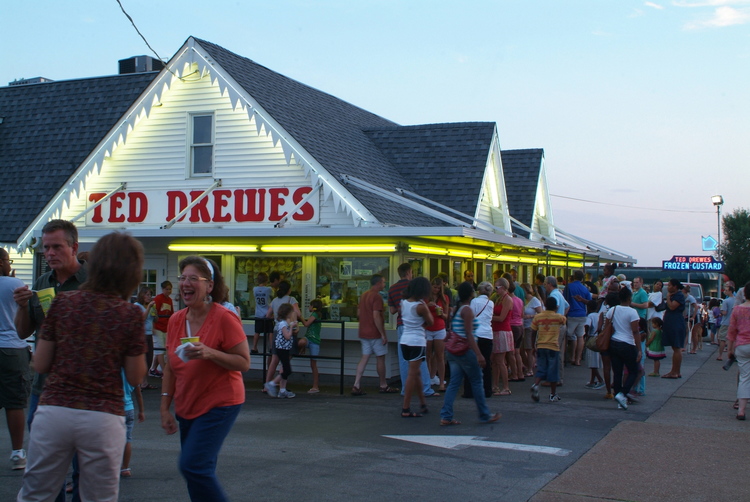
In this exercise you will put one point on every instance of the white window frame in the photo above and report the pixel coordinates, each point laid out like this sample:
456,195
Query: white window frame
190,145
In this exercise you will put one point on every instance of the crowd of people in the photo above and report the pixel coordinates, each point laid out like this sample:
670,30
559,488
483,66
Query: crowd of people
95,348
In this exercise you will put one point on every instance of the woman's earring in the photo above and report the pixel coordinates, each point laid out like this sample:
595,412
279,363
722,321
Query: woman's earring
208,299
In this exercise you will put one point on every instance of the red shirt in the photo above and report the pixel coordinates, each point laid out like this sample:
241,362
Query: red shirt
93,333
438,322
164,310
369,302
202,385
505,324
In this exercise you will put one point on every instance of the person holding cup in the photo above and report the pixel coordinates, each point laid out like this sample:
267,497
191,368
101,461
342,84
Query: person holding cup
207,388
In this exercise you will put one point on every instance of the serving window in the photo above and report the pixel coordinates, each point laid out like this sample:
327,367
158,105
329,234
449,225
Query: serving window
246,270
340,282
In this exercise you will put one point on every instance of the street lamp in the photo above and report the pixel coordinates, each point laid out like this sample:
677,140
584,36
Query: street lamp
718,200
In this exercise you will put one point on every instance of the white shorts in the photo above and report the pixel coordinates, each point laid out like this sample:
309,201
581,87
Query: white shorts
434,335
373,346
160,341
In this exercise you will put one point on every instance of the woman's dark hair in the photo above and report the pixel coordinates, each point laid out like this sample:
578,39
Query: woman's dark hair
612,298
656,320
285,309
418,287
713,303
746,290
141,298
115,265
625,295
284,288
220,287
316,305
676,283
465,291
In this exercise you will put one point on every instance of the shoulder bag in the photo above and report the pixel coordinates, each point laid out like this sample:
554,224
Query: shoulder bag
603,338
454,343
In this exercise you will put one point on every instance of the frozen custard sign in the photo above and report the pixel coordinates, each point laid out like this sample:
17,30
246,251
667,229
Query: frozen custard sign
221,206
693,264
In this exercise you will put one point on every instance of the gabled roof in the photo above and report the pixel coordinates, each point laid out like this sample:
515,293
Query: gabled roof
47,131
328,128
522,170
443,162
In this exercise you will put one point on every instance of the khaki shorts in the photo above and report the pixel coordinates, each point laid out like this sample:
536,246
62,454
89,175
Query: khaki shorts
723,333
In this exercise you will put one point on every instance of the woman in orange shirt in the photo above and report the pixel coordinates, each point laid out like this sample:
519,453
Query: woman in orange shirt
206,386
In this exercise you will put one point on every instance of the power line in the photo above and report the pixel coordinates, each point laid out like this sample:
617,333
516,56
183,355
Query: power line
144,39
633,207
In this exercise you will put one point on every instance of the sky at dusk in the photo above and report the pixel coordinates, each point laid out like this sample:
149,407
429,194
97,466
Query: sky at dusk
641,107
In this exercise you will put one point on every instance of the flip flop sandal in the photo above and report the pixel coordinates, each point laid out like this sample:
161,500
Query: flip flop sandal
356,391
424,410
450,422
407,413
388,390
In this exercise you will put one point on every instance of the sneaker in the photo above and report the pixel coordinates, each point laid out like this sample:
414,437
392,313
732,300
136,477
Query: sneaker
155,373
599,385
554,398
535,393
435,380
619,407
631,398
18,461
286,394
590,386
620,398
271,389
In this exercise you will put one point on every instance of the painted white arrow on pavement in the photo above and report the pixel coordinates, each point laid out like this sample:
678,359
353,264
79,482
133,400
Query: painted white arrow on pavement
458,442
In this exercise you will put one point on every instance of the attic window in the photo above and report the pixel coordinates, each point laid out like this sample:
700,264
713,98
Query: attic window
201,144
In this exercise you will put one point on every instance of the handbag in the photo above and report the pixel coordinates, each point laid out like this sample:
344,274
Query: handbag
661,307
591,343
454,343
603,338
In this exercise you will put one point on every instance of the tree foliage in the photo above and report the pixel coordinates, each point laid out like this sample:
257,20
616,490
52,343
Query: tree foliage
735,248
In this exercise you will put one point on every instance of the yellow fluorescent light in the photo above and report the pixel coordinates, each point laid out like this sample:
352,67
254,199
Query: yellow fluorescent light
215,248
569,264
314,248
459,253
516,259
427,250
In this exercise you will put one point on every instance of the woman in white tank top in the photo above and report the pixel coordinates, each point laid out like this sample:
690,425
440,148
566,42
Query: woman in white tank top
415,315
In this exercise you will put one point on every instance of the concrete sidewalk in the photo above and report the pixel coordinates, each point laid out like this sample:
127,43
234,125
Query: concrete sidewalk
692,449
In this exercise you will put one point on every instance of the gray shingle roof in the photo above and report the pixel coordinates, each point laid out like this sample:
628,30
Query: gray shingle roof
328,128
443,162
521,170
47,131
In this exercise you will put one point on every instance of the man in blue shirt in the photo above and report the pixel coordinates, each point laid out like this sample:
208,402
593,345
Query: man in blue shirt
576,317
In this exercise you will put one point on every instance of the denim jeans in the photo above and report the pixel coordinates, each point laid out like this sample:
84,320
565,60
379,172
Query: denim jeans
623,355
201,439
403,368
485,348
464,366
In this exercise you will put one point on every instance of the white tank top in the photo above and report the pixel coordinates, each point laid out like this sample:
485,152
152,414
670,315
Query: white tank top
413,325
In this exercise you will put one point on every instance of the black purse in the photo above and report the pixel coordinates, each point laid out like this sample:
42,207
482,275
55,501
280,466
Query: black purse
661,307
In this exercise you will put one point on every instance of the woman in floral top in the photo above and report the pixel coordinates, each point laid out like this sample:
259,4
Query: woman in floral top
88,336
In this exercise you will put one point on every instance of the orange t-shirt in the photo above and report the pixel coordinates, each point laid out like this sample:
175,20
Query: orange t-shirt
202,385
